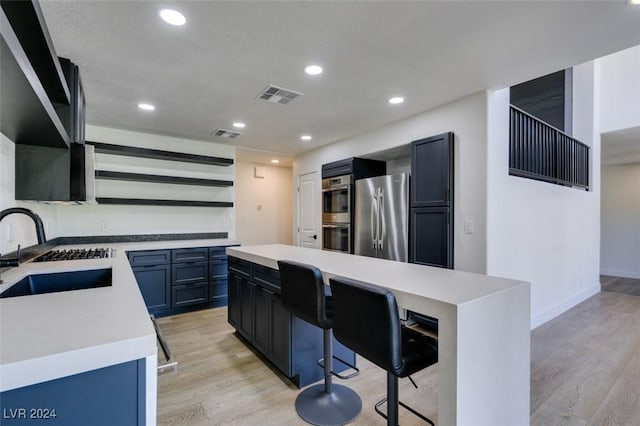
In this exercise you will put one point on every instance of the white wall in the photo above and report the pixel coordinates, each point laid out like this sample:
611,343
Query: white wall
620,233
546,234
620,90
116,219
467,119
19,229
264,206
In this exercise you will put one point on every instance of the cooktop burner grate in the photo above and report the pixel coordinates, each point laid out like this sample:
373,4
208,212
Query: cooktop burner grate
74,254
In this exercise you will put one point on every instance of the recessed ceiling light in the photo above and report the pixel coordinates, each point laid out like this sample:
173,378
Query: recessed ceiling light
275,161
239,125
314,69
146,107
396,100
634,2
172,17
305,137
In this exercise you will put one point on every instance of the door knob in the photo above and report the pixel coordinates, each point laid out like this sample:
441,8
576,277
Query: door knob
315,237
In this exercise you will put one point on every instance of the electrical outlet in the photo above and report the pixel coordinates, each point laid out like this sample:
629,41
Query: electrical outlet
105,225
9,232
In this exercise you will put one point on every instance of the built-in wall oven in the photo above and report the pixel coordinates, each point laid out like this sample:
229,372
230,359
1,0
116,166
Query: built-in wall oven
336,237
337,208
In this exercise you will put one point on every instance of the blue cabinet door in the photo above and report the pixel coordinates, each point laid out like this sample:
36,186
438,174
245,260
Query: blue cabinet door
114,395
233,311
155,285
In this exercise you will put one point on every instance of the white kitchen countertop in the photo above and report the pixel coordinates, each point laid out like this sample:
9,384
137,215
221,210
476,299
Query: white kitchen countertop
48,336
442,285
483,328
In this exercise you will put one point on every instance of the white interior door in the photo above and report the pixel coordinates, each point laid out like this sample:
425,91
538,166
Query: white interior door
309,210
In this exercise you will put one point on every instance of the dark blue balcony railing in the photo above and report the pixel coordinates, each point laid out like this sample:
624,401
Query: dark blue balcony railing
542,152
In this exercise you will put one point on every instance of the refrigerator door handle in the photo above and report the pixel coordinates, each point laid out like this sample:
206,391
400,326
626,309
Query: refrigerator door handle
374,223
382,230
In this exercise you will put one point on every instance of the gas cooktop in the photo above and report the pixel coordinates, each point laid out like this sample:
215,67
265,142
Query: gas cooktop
74,254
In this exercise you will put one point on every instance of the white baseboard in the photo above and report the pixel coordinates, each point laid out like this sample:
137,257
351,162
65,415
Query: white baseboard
622,274
562,307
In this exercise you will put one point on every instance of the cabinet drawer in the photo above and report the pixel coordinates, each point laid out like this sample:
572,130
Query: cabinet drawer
217,253
218,269
217,289
149,257
183,295
240,267
267,278
189,255
188,273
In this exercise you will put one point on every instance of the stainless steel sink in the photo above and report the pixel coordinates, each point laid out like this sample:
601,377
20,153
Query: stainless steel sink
59,281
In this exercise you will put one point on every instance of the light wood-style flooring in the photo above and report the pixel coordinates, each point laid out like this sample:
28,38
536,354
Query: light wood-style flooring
629,286
585,370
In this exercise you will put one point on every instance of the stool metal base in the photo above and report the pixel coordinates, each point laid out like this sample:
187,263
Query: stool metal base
338,407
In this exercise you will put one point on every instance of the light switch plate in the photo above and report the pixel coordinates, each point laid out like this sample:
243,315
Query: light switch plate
468,226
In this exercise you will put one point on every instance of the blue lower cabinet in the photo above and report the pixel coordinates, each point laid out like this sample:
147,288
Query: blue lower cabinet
181,280
291,344
155,285
114,395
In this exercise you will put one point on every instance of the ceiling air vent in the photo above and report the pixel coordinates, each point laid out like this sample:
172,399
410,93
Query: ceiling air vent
227,134
278,95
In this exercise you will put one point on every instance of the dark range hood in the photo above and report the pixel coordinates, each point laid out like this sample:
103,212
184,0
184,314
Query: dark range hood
45,173
54,174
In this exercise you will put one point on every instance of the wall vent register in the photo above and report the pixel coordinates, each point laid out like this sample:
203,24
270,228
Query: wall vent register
74,254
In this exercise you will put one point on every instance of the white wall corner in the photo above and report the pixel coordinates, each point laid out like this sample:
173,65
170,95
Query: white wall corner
560,308
545,234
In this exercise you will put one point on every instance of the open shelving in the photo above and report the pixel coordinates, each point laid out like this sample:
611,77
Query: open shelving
28,115
152,202
28,24
179,180
156,154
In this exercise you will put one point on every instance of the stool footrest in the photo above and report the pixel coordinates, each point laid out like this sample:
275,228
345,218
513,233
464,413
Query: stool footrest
338,375
382,401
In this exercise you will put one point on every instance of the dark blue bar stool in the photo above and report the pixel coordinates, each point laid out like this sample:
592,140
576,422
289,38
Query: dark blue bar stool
305,295
366,320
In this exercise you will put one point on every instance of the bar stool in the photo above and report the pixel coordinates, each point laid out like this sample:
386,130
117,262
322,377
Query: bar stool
366,320
304,294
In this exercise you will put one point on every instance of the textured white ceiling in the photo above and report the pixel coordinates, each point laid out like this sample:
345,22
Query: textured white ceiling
207,74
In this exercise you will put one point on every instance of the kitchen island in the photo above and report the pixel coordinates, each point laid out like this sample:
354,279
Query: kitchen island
483,336
62,351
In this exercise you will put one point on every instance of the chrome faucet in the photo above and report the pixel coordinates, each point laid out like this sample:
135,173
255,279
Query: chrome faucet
39,233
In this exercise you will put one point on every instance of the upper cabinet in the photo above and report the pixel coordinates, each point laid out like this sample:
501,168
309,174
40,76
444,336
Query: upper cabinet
358,168
40,104
432,171
431,229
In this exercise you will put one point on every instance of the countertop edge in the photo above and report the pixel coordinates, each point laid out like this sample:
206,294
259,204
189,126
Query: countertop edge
33,370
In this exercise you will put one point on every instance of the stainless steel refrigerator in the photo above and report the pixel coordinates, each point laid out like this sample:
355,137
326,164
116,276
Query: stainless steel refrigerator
382,217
